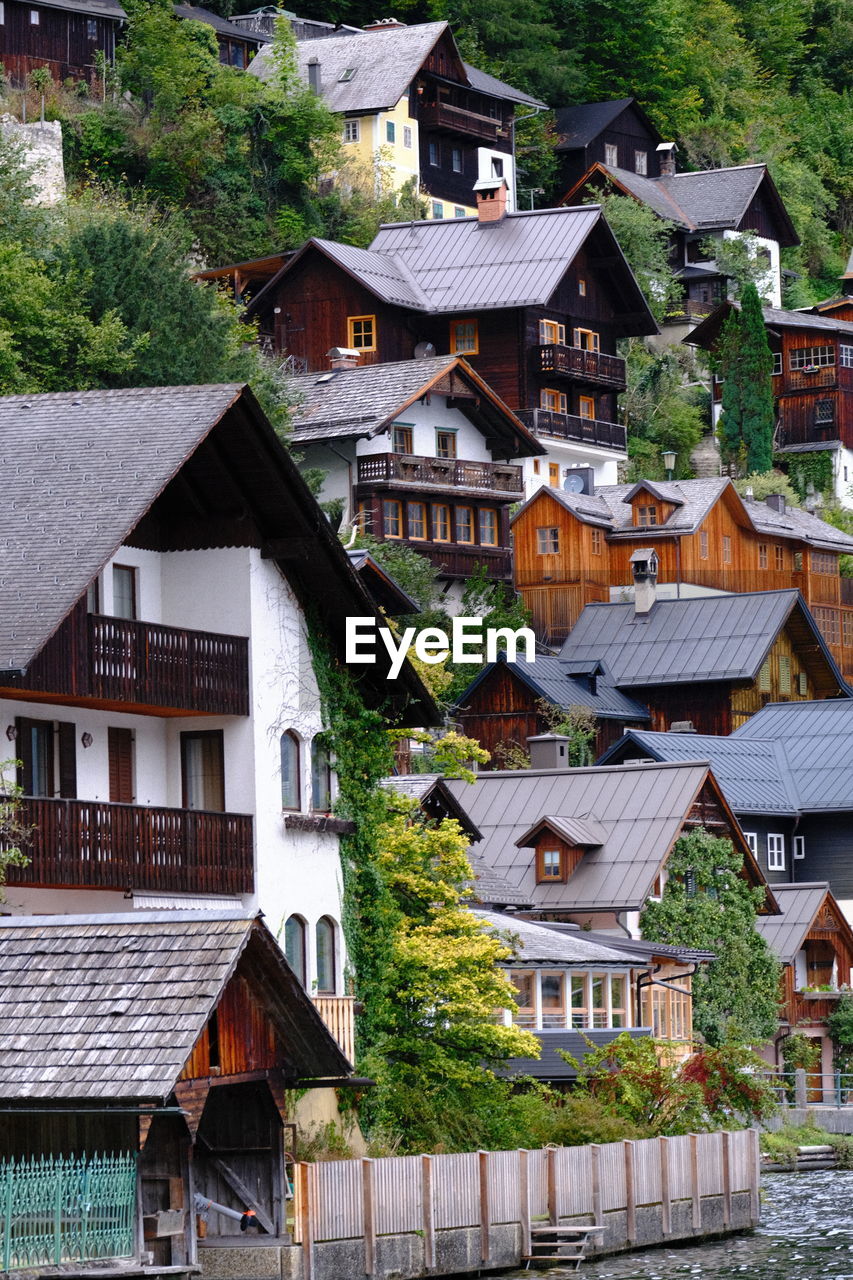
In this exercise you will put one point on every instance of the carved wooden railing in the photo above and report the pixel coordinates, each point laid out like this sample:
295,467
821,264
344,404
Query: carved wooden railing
588,366
449,473
569,426
442,115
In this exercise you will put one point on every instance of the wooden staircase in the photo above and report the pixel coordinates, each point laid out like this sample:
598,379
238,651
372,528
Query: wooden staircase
560,1244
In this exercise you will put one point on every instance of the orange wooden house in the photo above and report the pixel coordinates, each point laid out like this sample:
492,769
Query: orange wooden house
574,548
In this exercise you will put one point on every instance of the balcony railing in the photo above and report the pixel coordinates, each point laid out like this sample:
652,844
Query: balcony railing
568,426
93,845
454,561
338,1013
445,473
441,115
586,366
143,663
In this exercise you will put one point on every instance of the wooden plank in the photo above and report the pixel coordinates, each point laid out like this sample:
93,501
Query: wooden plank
306,1194
369,1216
727,1178
665,1194
551,1170
755,1179
524,1197
630,1194
428,1211
238,1186
485,1208
694,1182
595,1160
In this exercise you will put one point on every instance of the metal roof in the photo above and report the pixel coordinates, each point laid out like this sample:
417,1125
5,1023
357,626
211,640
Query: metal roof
550,678
534,943
584,832
798,904
641,810
108,1007
551,1066
817,740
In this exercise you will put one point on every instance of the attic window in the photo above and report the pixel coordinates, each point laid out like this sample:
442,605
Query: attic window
346,75
647,516
550,866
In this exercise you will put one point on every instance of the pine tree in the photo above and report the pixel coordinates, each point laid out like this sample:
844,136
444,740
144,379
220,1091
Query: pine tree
746,364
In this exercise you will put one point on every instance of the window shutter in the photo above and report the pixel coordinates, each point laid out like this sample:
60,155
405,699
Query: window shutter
67,761
120,746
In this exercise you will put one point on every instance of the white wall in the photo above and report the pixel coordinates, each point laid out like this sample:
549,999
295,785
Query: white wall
485,156
568,454
843,475
425,420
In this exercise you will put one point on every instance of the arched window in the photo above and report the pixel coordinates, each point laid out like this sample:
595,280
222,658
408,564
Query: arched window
294,946
325,938
321,776
290,769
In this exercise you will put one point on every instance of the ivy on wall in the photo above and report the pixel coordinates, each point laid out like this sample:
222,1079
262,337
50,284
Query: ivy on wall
810,468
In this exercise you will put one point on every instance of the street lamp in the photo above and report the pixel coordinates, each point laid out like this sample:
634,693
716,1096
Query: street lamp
669,462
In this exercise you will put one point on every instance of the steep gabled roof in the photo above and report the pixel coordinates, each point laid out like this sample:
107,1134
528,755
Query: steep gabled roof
384,590
536,944
817,739
90,8
696,639
110,1006
549,678
196,13
707,331
579,126
484,83
799,906
434,796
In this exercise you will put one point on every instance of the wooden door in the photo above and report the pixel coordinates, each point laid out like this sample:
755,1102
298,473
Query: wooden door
120,747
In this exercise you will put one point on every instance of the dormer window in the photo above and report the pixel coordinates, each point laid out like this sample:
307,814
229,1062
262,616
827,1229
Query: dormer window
647,516
550,867
346,75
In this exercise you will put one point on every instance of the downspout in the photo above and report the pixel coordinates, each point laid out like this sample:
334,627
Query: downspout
537,111
349,477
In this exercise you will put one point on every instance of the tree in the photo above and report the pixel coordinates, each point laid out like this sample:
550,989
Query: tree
661,413
14,834
644,239
707,904
746,363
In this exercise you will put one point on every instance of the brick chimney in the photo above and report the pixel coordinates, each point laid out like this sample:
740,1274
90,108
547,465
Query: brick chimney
549,751
315,78
644,565
384,24
666,158
492,195
343,358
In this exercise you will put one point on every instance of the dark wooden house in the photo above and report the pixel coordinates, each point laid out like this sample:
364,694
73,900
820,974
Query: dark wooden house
62,35
618,134
237,44
168,1040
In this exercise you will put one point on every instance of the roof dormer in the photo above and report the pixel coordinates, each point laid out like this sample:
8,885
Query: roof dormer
651,504
560,844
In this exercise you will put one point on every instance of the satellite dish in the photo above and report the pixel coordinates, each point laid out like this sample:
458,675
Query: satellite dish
424,350
573,483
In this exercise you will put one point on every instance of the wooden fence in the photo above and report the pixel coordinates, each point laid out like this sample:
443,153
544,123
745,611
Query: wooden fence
365,1199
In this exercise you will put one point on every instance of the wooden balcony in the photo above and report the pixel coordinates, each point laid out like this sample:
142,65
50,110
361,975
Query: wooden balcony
469,124
501,479
338,1013
88,844
569,426
143,664
581,365
455,561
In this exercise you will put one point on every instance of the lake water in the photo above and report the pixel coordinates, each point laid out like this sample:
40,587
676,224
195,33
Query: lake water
806,1234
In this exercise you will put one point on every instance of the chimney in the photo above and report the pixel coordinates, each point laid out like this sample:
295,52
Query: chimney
644,565
682,726
384,24
315,79
549,751
492,197
666,158
776,502
343,358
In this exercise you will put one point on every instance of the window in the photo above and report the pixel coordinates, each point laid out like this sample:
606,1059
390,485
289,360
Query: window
548,542
827,620
456,159
727,549
361,332
92,28
525,1014
434,154
437,209
798,561
464,524
847,619
407,136
550,865
120,761
441,524
554,475
751,839
777,363
203,770
401,439
647,516
579,1005
784,673
554,401
124,591
488,527
34,17
799,848
824,413
290,768
823,562
775,852
325,939
550,332
352,130
808,358
802,684
36,747
641,162
445,444
703,544
497,167
611,155
552,989
845,356
416,517
618,1000
390,131
346,75
599,1000
464,337
321,776
392,520
2,12
586,407
582,287
586,339
762,555
597,542
458,211
536,466
294,946
779,556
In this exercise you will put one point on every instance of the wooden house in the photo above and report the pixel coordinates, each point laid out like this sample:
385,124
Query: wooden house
143,1079
62,35
534,301
812,382
411,109
156,682
420,452
573,548
237,44
618,134
840,305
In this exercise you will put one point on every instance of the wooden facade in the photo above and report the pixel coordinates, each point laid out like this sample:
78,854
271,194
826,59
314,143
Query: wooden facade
628,140
65,40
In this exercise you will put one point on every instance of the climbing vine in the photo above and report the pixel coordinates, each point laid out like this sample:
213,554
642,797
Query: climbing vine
810,468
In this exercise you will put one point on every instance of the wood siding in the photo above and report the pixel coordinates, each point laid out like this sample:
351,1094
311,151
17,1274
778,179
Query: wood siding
628,132
64,42
828,842
240,1033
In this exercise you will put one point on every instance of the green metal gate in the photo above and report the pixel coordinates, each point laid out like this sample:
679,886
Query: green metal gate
56,1209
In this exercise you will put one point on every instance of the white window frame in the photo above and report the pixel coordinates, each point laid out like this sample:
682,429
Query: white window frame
845,356
777,363
352,131
35,18
407,136
611,155
751,838
799,848
775,851
641,162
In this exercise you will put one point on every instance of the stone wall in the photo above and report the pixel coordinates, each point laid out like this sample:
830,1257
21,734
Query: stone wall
41,146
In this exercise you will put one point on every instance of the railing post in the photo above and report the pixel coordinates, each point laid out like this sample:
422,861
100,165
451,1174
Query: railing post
551,1167
58,1167
595,1160
524,1200
755,1179
485,1207
7,1217
694,1182
800,1089
665,1193
368,1216
428,1212
630,1194
306,1189
727,1178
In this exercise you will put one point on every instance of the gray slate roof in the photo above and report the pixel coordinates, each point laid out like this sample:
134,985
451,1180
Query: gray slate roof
548,677
817,739
111,1006
79,471
484,83
641,809
92,8
536,944
491,889
550,1066
578,126
710,199
694,639
198,14
798,904
804,320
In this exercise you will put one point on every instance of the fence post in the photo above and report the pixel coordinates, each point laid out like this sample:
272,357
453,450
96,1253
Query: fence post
551,1168
524,1198
7,1218
755,1179
368,1206
306,1191
800,1089
58,1169
595,1161
727,1178
694,1182
665,1194
428,1212
485,1207
630,1196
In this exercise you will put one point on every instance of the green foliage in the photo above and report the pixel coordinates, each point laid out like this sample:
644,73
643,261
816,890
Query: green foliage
781,1145
841,518
799,1051
740,259
577,723
748,417
813,470
707,904
14,834
839,1024
660,413
763,483
644,239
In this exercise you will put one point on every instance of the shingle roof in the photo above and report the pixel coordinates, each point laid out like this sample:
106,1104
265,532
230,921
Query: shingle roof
111,1006
492,889
653,192
798,904
817,739
548,677
577,126
694,639
484,83
198,14
92,8
433,795
533,942
707,331
641,809
752,773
